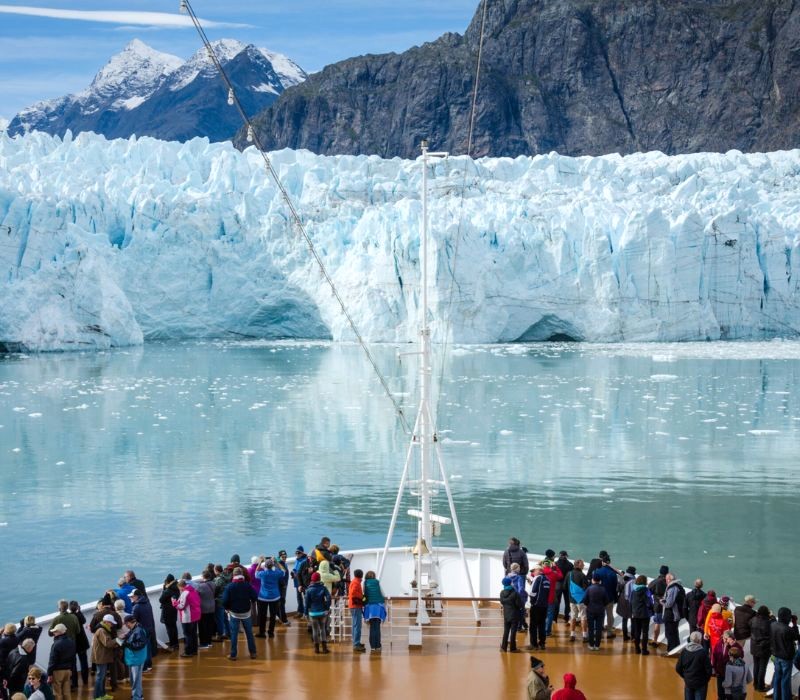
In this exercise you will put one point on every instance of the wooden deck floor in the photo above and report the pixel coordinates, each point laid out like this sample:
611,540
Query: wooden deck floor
462,669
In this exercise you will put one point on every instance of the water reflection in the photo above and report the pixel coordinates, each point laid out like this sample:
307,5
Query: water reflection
173,454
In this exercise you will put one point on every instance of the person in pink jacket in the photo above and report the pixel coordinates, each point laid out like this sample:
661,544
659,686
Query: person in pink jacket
189,612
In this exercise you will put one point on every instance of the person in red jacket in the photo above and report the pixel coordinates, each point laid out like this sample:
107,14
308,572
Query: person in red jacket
355,601
553,574
569,691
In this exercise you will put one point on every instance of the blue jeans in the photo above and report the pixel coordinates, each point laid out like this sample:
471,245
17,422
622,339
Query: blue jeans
222,621
375,634
135,673
551,615
782,680
358,616
595,628
695,693
100,680
248,632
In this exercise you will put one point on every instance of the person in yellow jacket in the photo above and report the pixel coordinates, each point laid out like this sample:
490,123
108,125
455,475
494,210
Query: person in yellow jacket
104,644
328,576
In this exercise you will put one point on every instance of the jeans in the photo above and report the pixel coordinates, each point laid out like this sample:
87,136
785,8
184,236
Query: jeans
509,635
357,615
640,632
318,629
135,674
301,602
537,625
221,619
782,680
595,628
759,671
100,680
273,606
189,637
247,623
551,615
562,592
375,634
282,606
695,693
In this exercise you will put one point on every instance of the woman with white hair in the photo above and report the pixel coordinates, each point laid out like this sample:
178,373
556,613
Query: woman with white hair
694,667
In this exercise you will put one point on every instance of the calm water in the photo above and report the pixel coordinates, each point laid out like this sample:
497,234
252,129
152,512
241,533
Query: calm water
165,457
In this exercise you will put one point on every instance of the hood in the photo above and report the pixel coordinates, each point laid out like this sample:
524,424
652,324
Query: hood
676,582
324,567
692,646
784,615
570,681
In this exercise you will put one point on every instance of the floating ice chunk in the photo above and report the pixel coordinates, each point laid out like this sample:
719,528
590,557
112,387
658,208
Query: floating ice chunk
764,432
60,463
66,505
663,377
506,432
16,449
34,415
248,452
608,490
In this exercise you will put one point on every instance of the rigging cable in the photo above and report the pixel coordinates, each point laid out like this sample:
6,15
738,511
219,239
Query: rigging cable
252,135
470,133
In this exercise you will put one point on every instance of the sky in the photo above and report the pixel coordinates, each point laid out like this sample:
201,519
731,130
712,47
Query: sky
49,50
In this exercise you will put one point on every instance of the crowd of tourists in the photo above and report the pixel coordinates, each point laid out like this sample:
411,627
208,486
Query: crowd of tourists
729,643
209,610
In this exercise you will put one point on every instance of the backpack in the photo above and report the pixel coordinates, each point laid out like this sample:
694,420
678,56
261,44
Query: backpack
137,639
575,591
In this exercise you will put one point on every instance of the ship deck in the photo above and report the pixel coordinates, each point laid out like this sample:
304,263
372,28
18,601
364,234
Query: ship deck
467,667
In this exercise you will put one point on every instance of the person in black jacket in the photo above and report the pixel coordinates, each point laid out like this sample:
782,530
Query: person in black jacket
783,640
81,646
565,566
515,554
742,614
760,646
62,658
658,587
169,615
641,610
510,600
17,664
691,604
143,612
238,598
596,600
694,667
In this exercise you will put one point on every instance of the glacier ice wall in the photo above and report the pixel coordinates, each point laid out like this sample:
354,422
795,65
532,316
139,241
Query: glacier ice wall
109,242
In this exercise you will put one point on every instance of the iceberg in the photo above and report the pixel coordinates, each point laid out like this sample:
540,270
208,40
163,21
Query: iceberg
107,243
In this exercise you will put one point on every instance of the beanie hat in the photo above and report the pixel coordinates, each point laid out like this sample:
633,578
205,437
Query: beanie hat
506,581
631,570
549,554
300,549
536,663
315,576
664,570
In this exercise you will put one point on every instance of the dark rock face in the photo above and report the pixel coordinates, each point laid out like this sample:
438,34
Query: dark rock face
582,77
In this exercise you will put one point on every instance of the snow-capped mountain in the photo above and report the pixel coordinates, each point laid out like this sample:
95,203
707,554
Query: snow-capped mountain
3,124
110,242
145,92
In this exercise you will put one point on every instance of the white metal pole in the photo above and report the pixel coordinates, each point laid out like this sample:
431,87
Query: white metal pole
426,437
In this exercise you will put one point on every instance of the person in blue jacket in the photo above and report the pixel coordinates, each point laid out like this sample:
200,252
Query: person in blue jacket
269,596
318,603
609,580
136,650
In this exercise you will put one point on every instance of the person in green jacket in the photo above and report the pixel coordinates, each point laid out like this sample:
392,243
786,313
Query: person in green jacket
374,610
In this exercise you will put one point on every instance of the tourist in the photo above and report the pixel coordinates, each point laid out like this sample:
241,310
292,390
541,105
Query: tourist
510,602
301,577
136,647
577,584
641,612
81,646
137,583
374,609
188,606
624,601
236,563
518,582
220,619
207,623
269,596
596,600
8,642
318,604
737,676
720,655
658,588
783,639
694,667
19,660
554,575
123,592
539,687
704,611
103,646
597,562
119,669
328,575
692,602
62,659
760,648
169,615
564,566
143,614
283,567
66,618
674,599
538,595
35,681
515,554
716,626
609,580
28,629
255,564
341,565
105,607
742,615
569,691
238,598
322,551
355,603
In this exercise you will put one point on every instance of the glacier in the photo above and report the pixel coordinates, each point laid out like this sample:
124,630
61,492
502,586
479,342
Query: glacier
107,243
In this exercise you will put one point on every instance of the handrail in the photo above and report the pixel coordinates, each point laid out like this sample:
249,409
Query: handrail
445,599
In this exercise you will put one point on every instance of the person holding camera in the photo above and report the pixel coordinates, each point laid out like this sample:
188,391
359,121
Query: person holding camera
269,596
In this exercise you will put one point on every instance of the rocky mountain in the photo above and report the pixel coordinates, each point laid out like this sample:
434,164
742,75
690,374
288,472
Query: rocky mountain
148,93
580,77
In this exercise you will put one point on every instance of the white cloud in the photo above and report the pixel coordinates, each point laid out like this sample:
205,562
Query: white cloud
149,19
